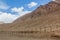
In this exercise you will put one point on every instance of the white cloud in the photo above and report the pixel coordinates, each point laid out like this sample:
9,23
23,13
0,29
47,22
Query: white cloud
32,4
7,17
17,9
3,5
20,11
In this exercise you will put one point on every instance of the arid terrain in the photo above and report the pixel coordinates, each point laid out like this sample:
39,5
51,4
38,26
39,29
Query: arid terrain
25,36
41,24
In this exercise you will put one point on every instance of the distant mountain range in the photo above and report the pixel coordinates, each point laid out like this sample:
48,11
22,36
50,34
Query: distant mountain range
1,22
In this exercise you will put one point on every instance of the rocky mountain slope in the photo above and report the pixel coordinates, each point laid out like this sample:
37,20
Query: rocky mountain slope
45,17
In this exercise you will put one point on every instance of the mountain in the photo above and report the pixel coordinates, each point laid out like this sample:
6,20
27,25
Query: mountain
46,18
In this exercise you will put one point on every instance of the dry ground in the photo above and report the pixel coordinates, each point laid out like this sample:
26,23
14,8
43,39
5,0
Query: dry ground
26,36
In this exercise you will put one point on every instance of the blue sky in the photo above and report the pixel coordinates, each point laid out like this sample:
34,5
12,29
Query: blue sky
10,10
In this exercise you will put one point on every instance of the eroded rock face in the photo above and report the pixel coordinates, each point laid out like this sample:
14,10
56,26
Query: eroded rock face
55,33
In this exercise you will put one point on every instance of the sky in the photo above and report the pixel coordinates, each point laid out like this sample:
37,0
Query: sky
10,10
